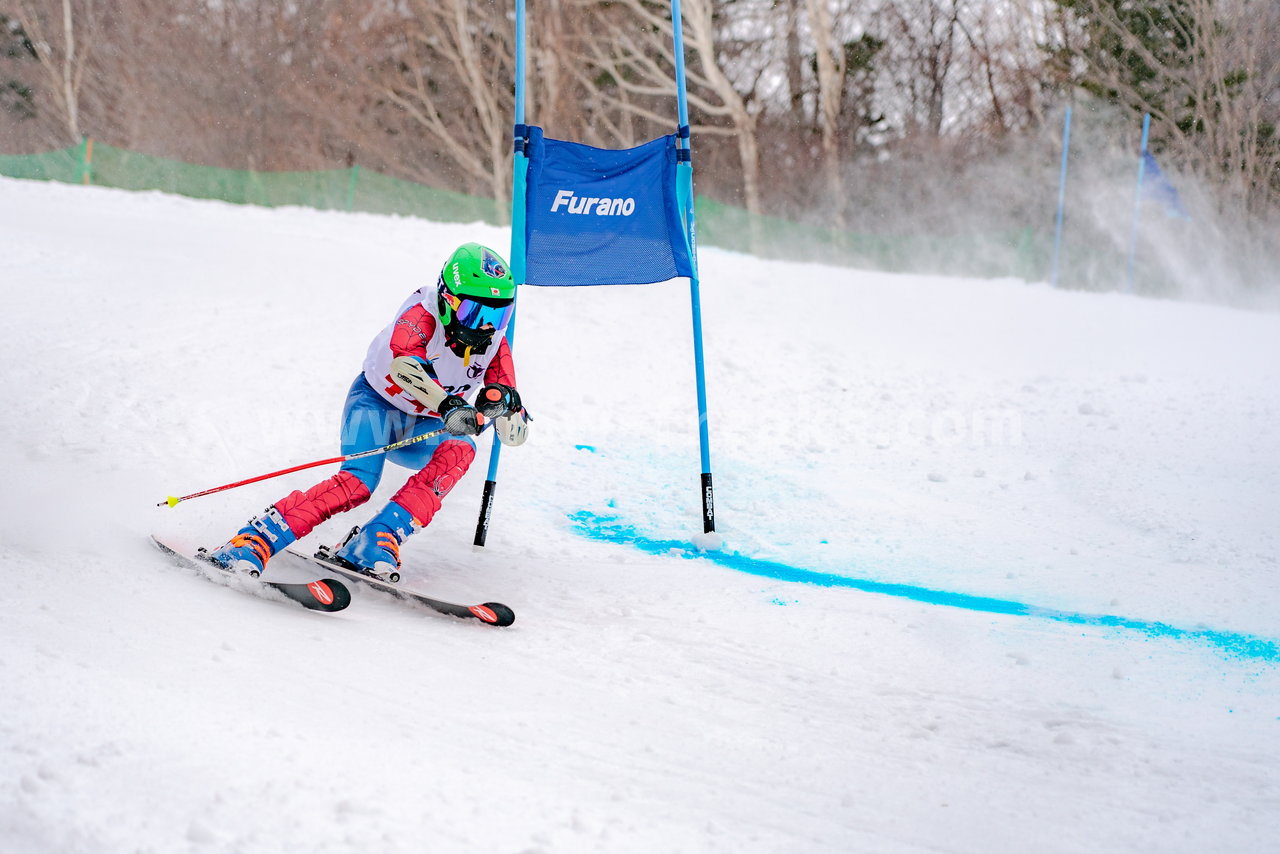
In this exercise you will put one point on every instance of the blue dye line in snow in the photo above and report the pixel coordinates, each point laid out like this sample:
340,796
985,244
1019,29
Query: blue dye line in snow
612,530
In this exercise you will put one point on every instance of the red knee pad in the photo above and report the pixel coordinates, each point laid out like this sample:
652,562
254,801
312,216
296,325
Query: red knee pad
421,495
304,510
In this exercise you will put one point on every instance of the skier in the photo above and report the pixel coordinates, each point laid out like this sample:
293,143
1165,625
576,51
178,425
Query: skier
419,375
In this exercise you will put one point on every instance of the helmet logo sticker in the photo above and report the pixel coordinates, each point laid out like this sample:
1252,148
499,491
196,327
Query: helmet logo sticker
492,266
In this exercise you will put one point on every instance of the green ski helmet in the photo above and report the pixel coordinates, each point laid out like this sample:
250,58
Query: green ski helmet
477,296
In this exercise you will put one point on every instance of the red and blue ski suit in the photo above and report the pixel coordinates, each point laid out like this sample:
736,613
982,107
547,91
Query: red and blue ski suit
378,412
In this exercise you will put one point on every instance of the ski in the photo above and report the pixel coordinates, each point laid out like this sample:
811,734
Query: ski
323,594
490,613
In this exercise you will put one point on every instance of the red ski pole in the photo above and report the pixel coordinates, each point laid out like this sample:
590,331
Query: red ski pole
173,501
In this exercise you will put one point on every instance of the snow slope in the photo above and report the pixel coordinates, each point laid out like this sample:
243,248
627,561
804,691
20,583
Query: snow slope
1000,567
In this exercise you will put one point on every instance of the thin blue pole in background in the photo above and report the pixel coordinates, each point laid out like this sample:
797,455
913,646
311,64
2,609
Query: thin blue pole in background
519,168
519,184
677,27
1062,200
684,191
1137,204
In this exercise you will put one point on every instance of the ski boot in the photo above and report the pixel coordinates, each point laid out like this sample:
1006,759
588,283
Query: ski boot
254,544
375,549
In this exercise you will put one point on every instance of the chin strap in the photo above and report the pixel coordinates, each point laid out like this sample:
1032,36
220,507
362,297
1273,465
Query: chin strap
463,342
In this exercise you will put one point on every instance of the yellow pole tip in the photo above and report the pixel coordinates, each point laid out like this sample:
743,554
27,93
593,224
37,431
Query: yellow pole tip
172,502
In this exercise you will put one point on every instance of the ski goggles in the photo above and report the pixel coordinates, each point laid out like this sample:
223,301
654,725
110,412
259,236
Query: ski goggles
475,314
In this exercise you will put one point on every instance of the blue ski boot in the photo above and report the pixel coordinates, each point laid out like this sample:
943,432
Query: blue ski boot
254,544
375,548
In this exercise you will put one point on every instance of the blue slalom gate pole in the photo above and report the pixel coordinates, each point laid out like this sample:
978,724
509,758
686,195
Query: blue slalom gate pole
1137,204
1062,200
519,184
684,192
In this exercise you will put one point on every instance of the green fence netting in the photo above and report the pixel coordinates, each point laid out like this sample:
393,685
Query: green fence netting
64,166
378,193
353,189
1022,254
1013,253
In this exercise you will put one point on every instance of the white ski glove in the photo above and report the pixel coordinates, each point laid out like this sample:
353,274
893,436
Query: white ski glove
512,429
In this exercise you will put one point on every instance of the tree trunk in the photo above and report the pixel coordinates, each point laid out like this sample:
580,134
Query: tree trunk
831,68
69,94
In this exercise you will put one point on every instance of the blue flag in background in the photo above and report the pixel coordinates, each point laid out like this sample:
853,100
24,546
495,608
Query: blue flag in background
1156,188
597,216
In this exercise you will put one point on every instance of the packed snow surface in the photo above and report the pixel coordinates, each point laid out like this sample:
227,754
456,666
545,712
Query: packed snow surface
999,565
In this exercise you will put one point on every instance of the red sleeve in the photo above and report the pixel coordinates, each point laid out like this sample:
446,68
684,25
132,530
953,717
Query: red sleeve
501,369
412,332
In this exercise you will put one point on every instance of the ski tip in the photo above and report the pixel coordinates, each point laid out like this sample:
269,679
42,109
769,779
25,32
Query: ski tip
494,613
328,595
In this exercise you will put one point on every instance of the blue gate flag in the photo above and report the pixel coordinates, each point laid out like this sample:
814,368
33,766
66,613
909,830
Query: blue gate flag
597,216
1156,188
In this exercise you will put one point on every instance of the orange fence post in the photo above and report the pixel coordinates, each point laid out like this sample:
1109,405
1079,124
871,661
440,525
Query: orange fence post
86,160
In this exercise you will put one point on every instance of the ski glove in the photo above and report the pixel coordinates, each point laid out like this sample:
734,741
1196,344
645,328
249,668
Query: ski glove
459,418
512,429
497,399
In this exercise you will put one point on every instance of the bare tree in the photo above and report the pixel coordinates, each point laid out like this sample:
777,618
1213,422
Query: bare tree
632,50
830,67
921,35
1208,73
53,33
446,67
1004,65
